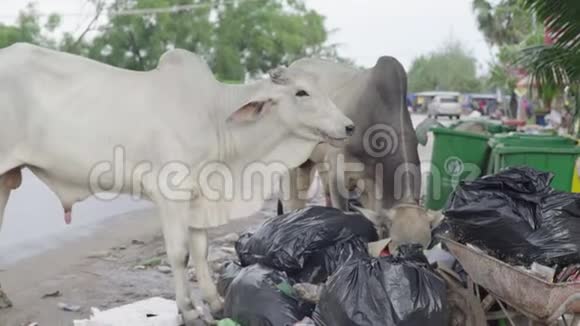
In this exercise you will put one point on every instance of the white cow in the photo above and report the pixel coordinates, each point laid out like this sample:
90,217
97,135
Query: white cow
84,127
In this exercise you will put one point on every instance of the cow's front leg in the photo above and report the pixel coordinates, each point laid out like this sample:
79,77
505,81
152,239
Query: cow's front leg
175,233
336,188
198,252
295,186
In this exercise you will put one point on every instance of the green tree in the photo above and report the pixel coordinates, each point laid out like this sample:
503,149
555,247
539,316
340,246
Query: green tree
450,68
137,41
256,36
506,25
503,69
504,22
29,28
557,64
237,38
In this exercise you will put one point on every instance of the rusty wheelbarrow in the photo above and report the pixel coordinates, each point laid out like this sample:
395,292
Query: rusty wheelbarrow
527,294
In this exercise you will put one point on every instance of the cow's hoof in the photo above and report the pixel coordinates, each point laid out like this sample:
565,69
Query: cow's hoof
190,317
216,306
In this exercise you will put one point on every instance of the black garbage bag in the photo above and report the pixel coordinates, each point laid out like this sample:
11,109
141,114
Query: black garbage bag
261,296
322,263
226,276
399,290
516,216
288,242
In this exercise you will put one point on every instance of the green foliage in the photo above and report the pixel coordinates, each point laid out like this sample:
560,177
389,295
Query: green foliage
137,41
451,68
502,22
552,65
561,16
500,77
28,28
237,38
557,64
510,27
53,22
10,35
259,35
502,69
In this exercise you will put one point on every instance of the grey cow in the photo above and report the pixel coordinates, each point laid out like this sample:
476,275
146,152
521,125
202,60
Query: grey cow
380,161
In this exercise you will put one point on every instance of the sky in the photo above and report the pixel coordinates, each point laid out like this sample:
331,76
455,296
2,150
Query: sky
366,29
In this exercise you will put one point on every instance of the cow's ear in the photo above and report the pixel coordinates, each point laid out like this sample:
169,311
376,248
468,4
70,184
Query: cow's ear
249,112
435,218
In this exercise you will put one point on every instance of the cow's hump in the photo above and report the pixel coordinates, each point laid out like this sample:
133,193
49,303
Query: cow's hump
185,61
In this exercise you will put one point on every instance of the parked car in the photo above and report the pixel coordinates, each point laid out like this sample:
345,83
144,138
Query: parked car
445,104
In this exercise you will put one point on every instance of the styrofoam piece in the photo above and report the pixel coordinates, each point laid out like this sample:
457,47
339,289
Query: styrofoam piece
154,311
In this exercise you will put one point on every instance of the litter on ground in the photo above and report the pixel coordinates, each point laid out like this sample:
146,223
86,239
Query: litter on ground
154,311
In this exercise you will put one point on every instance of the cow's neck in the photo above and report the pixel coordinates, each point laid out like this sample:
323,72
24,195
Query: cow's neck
269,141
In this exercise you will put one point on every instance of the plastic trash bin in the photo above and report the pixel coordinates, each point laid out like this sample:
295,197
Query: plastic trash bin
576,177
490,126
560,160
457,155
531,140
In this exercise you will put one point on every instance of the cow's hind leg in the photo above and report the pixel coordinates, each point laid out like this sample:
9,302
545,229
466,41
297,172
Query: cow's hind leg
8,181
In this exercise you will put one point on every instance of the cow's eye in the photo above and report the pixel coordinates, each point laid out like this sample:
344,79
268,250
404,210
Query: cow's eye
301,93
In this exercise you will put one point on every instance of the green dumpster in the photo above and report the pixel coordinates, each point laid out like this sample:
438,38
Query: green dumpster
457,155
485,126
559,159
531,140
462,155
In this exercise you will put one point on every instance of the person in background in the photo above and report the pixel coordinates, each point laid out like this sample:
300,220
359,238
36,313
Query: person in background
482,106
513,109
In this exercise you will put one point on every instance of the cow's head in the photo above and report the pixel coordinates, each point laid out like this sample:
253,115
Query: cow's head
294,98
404,224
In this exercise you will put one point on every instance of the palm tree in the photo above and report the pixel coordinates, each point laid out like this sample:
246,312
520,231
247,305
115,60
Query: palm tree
503,23
559,63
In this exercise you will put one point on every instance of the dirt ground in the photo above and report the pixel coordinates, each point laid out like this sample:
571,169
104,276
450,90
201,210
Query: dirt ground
98,271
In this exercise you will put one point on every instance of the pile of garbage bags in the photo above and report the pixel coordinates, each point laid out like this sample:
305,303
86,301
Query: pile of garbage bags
393,290
307,244
327,247
517,217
